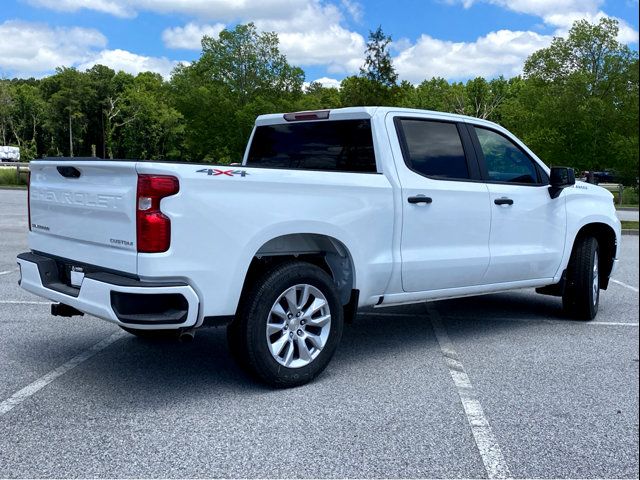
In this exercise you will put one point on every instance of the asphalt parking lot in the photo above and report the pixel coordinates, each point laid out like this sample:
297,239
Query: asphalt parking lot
492,386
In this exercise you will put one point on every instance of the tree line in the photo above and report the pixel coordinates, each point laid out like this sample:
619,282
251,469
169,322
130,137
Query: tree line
575,104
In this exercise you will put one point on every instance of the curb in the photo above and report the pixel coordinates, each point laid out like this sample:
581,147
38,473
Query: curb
627,209
11,187
630,232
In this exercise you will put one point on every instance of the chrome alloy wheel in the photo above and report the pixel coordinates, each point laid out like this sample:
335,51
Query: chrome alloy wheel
298,326
596,278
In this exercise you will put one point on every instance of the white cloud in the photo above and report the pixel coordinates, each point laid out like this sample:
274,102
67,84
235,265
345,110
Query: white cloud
131,62
564,21
542,8
190,36
315,36
202,9
561,14
337,48
311,32
325,82
354,8
498,53
35,49
113,7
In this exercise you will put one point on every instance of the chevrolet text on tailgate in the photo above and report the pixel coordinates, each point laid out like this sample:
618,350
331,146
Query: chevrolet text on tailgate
330,211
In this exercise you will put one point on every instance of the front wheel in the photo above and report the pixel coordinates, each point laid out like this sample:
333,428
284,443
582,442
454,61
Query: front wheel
582,291
288,326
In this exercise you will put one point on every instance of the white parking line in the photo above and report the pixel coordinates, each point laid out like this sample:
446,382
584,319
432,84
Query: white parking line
8,271
630,287
617,324
22,302
490,452
23,394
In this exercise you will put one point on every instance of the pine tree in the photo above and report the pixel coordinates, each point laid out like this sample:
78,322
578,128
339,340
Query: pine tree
377,65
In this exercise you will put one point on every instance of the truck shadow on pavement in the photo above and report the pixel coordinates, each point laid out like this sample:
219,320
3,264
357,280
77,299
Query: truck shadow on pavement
152,373
204,366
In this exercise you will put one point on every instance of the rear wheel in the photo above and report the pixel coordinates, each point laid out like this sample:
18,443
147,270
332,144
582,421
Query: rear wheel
582,292
288,326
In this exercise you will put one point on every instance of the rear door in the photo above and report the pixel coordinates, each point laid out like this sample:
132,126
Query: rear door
528,227
445,206
85,211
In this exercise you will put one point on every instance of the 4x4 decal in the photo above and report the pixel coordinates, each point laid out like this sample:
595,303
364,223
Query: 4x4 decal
217,171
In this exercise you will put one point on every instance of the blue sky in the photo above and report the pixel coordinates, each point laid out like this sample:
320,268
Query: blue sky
456,39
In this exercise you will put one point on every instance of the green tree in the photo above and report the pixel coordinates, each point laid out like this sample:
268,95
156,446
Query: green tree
317,97
67,92
7,103
378,66
239,75
154,127
579,104
249,63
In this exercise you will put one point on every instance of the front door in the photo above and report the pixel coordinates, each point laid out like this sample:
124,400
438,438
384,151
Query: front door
528,227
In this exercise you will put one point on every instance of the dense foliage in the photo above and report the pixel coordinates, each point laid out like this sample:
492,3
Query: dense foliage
575,104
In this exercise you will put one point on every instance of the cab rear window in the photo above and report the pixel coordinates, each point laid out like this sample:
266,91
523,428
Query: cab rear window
339,145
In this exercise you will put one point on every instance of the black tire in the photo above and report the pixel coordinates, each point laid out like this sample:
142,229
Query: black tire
246,334
153,334
581,299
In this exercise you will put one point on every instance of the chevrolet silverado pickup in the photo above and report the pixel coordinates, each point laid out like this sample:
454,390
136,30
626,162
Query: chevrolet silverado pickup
328,212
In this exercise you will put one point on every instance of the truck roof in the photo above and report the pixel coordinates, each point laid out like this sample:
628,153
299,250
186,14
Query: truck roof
370,112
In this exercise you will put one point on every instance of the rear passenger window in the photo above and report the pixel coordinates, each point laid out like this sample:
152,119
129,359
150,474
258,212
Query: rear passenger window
341,145
434,149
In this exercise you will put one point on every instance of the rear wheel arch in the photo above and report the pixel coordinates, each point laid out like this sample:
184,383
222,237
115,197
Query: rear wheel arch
324,251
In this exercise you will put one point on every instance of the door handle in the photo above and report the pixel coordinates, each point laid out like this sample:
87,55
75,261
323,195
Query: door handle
419,199
503,201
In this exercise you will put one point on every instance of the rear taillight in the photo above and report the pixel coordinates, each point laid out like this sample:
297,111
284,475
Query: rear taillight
29,198
154,227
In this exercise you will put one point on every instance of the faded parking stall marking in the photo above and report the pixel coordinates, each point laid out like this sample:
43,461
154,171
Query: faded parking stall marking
622,284
34,387
22,302
488,447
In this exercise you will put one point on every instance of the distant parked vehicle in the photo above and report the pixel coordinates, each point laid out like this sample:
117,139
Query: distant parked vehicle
605,176
9,154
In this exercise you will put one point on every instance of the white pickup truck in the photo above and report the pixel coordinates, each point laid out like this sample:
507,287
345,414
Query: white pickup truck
329,211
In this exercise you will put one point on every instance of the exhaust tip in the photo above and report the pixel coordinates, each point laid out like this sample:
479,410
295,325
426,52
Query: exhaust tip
186,336
62,310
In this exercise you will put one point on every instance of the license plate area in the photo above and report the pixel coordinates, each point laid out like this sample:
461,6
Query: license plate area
70,275
76,276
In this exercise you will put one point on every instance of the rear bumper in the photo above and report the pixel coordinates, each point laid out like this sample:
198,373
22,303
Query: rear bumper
119,299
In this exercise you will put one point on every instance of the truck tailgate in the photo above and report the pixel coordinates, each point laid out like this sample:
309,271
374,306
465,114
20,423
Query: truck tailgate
85,210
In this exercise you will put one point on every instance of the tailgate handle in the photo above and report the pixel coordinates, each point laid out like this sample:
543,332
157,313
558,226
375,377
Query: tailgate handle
69,172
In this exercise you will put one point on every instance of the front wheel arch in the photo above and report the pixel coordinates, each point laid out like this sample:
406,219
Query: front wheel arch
607,242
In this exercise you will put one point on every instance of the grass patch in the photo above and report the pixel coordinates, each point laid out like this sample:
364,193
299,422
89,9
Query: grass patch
8,177
629,197
629,225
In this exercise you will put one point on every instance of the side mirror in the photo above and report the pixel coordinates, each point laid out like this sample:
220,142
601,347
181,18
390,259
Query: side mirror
560,177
